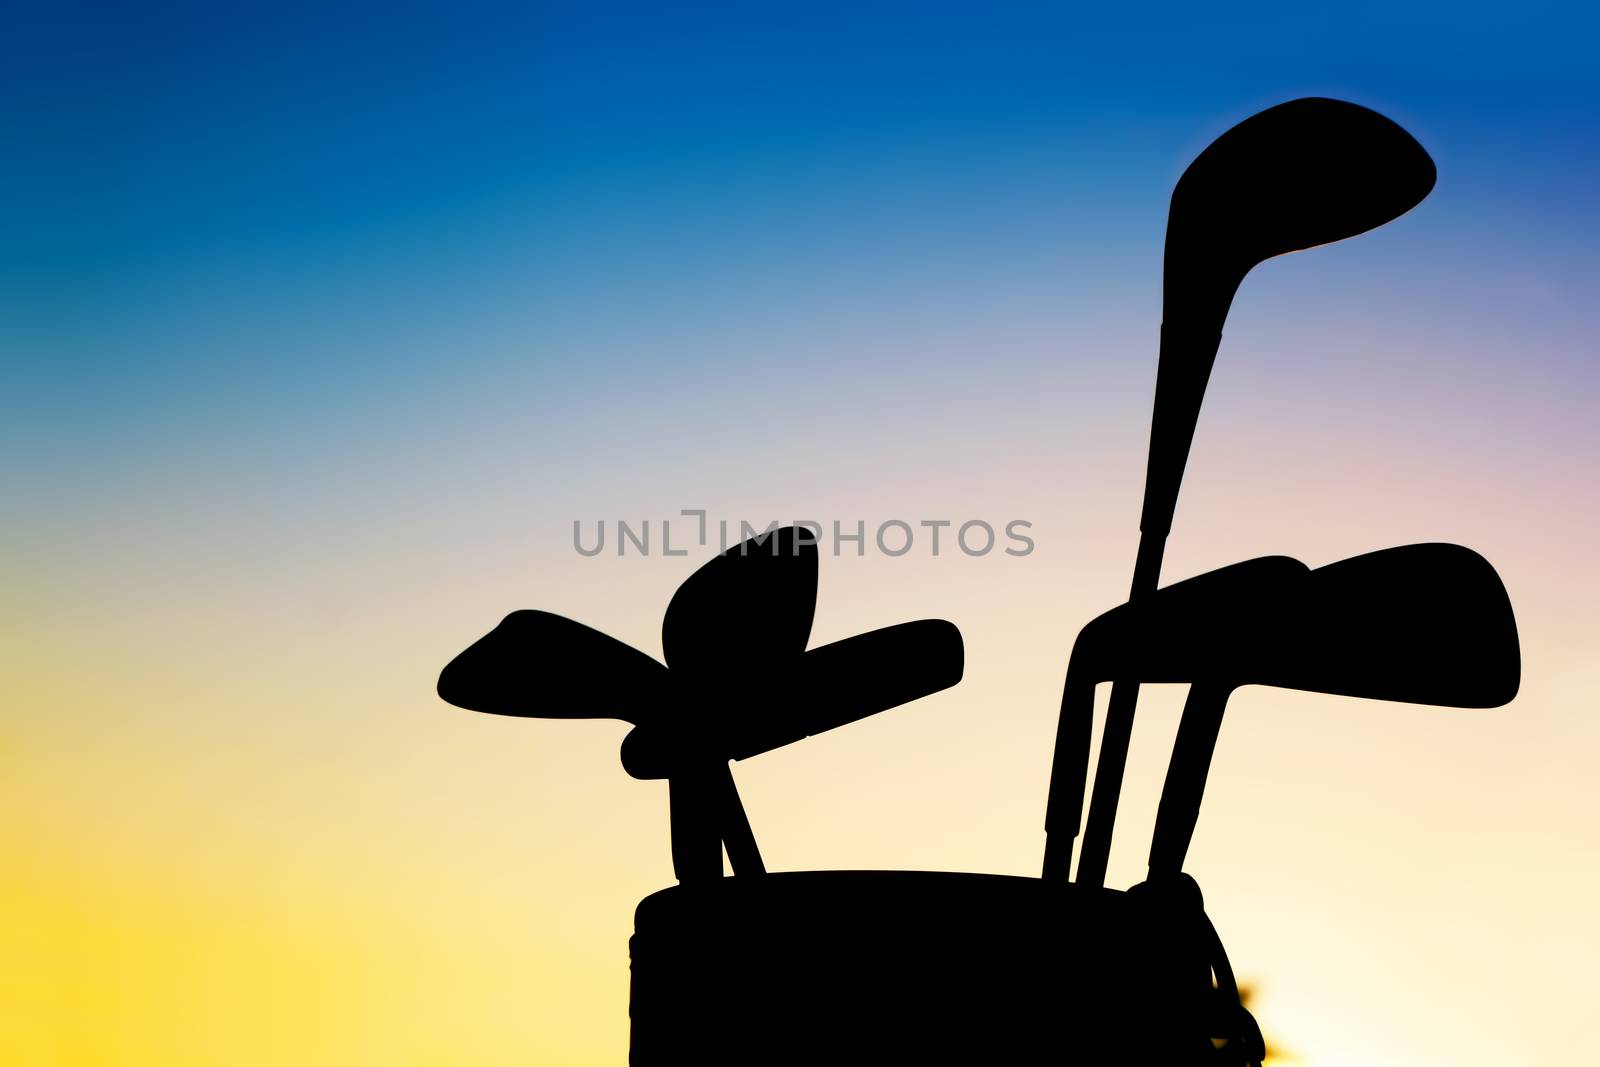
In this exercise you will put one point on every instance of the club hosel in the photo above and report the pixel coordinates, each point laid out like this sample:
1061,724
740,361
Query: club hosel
1187,353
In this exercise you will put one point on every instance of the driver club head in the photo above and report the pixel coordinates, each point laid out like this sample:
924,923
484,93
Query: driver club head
1307,172
1304,173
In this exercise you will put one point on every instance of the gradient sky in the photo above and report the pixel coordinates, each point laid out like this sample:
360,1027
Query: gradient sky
317,331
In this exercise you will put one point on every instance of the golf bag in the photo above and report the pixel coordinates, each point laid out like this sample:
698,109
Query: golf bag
879,967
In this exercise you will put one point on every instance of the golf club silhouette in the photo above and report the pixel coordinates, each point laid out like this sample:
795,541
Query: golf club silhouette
872,967
1301,174
1420,624
738,682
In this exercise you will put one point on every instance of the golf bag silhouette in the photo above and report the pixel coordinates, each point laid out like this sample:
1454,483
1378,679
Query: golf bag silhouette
859,967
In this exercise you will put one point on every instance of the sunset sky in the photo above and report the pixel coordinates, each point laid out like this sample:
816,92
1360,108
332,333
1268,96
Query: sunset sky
318,332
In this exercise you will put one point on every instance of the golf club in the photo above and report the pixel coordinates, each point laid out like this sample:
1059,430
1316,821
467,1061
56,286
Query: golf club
726,692
740,616
539,665
1181,633
1304,173
1419,624
1423,624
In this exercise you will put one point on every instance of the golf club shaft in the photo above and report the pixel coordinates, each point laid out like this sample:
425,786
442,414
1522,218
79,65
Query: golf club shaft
1186,777
1184,369
696,801
1063,811
1118,731
1188,351
740,840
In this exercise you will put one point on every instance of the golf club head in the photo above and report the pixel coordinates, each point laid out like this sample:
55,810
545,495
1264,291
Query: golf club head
1190,631
827,687
1420,624
539,665
1304,173
1423,624
744,612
